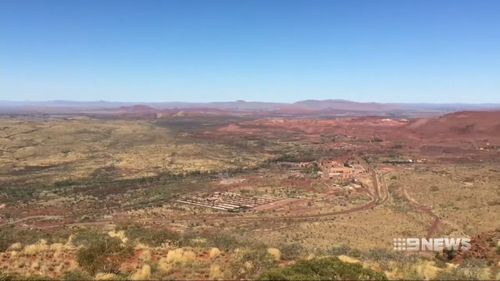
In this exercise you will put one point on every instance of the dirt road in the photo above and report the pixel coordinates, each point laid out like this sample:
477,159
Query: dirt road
436,222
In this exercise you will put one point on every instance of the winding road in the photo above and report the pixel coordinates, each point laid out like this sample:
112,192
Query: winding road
436,222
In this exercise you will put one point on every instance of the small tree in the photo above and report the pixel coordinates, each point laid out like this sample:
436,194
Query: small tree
103,254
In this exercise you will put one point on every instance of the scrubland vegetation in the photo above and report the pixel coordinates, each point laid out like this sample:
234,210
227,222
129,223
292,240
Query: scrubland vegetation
122,254
84,198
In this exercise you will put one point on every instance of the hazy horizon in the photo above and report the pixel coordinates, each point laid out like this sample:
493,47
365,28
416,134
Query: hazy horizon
243,101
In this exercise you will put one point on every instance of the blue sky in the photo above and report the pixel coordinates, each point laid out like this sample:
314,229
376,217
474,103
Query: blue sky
268,50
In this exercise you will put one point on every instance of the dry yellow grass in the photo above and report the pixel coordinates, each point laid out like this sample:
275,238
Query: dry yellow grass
118,234
464,195
348,259
215,272
39,247
275,253
142,274
16,246
176,257
106,276
425,270
180,256
214,253
164,266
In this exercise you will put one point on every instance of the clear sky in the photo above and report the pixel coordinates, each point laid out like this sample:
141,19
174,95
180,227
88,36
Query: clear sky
265,50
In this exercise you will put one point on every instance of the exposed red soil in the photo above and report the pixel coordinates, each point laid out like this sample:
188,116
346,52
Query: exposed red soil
483,246
363,126
468,124
459,134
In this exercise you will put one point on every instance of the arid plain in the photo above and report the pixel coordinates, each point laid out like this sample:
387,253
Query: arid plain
139,193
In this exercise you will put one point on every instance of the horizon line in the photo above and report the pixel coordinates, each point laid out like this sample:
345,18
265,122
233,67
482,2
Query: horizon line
243,101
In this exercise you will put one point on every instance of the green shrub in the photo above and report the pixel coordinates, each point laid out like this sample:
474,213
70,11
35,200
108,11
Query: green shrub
101,253
150,236
344,250
251,263
446,255
76,276
86,237
329,268
291,251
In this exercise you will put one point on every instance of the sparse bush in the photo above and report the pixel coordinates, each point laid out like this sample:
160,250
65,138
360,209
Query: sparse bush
224,242
86,237
385,257
471,269
344,250
446,255
10,235
451,275
76,275
101,253
291,251
322,269
251,262
150,236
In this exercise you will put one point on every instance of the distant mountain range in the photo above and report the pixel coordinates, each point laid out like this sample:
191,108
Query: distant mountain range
331,106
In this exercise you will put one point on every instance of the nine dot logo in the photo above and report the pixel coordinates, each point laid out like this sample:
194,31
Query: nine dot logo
399,244
431,244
